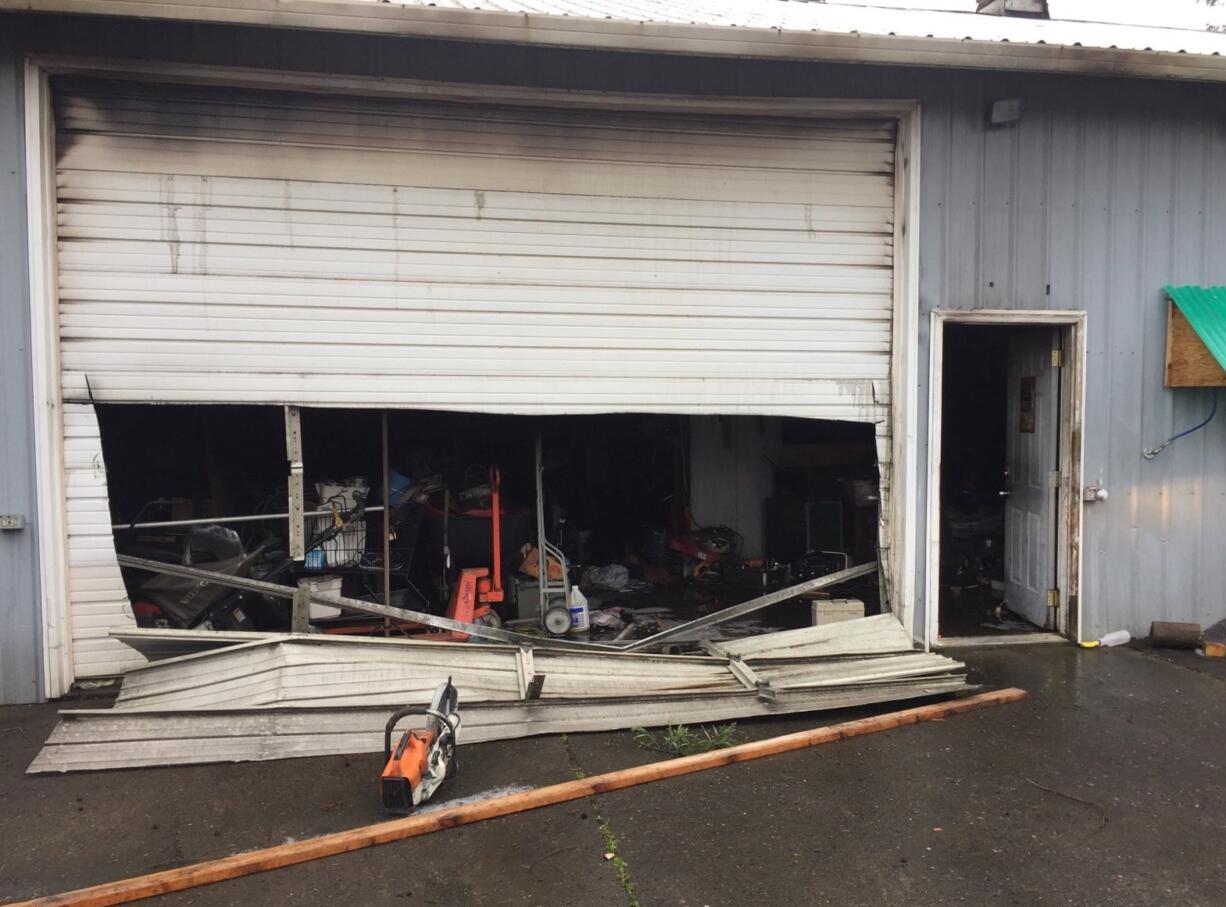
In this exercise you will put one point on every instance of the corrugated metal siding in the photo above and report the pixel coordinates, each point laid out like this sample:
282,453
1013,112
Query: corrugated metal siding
20,614
1096,203
97,599
222,247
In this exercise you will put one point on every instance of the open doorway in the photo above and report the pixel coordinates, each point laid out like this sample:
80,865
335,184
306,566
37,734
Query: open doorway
1004,477
655,518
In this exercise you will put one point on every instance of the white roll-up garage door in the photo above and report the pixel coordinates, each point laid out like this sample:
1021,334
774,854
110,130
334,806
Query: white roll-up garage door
295,249
219,246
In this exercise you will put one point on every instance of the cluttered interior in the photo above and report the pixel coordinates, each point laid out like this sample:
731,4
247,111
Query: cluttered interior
592,526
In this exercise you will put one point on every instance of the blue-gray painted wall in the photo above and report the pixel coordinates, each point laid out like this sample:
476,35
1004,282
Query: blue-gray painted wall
20,637
1107,190
1105,196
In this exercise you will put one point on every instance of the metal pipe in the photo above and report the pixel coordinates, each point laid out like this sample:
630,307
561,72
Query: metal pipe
387,529
204,521
754,604
439,622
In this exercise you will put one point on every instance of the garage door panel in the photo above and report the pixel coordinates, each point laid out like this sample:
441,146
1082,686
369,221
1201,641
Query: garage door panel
616,333
593,178
211,295
279,196
422,235
98,600
410,127
270,226
244,261
487,138
859,400
269,359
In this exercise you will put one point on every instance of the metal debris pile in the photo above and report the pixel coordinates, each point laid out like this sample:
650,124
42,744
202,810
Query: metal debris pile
273,698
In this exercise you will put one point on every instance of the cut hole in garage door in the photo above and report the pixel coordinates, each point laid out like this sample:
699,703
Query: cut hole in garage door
660,518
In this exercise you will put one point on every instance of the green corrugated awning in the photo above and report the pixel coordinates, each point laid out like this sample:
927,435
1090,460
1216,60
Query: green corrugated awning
1205,309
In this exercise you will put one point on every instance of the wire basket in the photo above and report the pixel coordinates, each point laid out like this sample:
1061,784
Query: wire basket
346,547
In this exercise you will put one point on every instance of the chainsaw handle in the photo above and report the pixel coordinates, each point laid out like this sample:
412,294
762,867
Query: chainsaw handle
391,726
447,727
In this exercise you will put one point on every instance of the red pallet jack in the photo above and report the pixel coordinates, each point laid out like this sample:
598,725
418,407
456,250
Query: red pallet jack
476,589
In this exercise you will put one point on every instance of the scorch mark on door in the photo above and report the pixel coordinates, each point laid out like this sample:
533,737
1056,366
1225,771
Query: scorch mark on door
172,220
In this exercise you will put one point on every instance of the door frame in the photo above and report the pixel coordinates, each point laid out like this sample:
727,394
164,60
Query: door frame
1069,498
898,548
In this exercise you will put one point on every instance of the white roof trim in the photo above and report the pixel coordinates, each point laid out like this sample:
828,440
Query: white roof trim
773,29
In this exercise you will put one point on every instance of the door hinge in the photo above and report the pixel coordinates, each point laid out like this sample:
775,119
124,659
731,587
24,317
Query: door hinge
1053,598
1053,479
1057,358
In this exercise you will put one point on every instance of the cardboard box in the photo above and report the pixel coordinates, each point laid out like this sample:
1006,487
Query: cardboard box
531,566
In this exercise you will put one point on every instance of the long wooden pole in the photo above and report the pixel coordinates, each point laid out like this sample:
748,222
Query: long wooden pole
254,861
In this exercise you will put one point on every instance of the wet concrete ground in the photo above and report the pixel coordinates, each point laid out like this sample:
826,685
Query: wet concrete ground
1106,786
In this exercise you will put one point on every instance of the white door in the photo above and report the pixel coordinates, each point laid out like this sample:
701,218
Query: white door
1032,458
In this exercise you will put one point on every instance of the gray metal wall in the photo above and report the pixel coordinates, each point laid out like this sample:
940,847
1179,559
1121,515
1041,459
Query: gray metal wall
20,625
1095,201
1106,191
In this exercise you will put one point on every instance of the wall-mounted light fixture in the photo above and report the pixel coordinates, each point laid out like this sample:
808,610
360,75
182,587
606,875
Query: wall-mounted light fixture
1005,111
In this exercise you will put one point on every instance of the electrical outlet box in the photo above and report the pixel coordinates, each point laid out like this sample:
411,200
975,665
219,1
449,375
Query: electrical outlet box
10,521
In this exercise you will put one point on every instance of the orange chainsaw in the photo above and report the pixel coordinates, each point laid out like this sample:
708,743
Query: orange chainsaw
424,757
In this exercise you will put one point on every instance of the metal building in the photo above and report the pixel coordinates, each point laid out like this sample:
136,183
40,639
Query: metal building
752,209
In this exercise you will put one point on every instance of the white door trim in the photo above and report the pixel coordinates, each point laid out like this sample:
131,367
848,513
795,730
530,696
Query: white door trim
40,173
45,362
904,390
1072,416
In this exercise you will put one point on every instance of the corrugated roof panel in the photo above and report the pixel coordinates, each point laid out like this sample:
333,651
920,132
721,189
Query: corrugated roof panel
1205,309
926,21
945,34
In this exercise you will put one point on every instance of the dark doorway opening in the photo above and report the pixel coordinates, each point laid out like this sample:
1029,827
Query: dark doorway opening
999,484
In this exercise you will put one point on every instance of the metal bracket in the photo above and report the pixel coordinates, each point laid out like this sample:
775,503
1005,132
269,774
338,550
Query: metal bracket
1057,358
300,614
530,682
750,680
293,453
1053,598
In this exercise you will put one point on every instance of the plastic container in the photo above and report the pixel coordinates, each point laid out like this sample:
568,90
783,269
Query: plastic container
1115,638
328,585
580,617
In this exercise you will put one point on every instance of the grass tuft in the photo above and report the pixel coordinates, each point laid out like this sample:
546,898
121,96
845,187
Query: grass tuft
682,740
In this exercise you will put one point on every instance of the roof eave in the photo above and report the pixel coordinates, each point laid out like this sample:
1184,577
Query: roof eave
650,37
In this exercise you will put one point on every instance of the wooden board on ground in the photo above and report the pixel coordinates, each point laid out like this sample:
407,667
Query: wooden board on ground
219,870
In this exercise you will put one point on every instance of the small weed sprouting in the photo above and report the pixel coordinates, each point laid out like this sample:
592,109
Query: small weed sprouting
608,838
682,740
